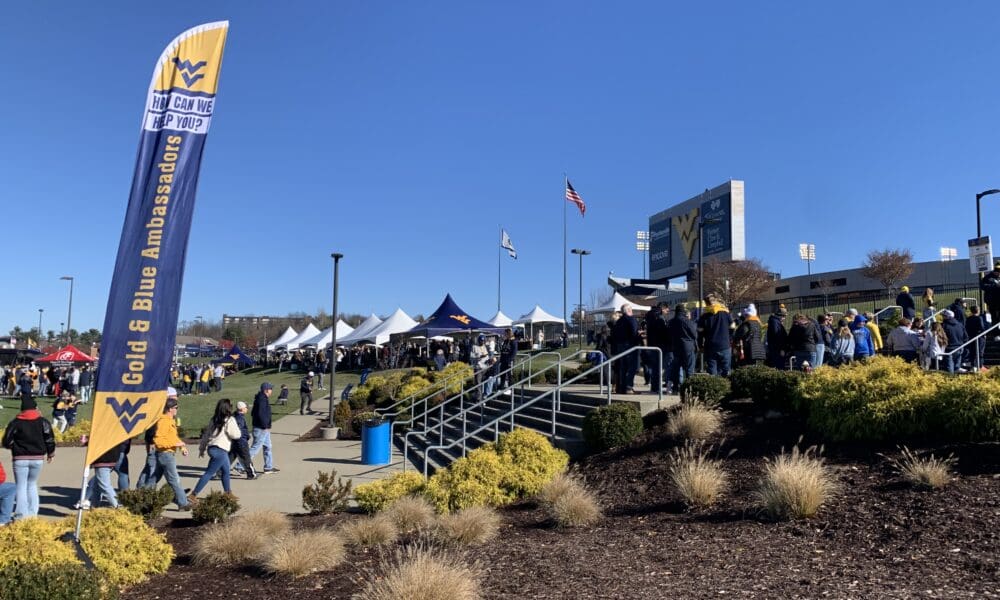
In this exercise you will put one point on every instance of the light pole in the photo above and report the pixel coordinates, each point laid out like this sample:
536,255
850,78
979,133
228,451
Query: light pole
807,252
642,245
69,314
336,256
947,255
581,253
40,311
979,230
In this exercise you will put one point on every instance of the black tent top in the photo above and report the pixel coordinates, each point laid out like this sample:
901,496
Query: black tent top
234,356
450,318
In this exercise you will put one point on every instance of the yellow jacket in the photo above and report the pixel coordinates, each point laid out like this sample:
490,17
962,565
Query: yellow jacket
876,335
166,438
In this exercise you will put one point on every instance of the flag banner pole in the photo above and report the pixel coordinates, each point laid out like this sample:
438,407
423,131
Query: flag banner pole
566,186
140,325
499,260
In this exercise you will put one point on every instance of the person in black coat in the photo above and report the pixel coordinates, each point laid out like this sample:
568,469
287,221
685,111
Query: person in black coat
777,338
658,336
260,418
905,301
240,449
991,292
802,340
624,336
748,341
956,337
683,334
715,327
974,325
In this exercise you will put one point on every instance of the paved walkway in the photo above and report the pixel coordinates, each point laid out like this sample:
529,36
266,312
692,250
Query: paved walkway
298,462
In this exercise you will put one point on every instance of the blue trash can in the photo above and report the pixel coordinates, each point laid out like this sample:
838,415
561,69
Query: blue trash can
375,443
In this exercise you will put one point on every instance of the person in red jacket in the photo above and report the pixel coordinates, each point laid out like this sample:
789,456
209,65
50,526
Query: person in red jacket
30,439
7,493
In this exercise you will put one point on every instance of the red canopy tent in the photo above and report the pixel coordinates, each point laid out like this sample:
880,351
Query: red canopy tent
68,354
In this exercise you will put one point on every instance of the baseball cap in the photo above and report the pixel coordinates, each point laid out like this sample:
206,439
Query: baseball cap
241,405
311,374
171,392
266,386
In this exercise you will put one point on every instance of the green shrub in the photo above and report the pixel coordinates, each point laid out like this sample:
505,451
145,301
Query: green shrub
708,390
377,495
417,387
358,420
342,418
474,480
768,388
461,373
148,503
610,426
34,542
123,547
329,494
72,434
47,582
215,507
540,378
358,399
533,459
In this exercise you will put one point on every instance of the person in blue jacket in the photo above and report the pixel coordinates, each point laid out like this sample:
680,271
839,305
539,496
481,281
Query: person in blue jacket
863,345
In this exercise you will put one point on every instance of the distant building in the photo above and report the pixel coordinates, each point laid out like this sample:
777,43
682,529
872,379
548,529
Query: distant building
259,320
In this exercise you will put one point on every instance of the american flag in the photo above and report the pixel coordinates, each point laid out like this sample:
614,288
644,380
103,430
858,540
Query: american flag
572,196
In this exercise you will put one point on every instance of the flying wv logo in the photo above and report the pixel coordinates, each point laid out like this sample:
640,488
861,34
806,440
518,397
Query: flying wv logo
687,226
463,319
128,413
188,70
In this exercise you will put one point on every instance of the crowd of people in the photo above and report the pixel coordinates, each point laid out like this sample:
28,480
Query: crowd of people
51,381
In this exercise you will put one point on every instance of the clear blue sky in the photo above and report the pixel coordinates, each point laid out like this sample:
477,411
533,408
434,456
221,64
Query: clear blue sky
406,133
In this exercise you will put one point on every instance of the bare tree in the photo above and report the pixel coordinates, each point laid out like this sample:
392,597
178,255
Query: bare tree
888,267
737,282
825,287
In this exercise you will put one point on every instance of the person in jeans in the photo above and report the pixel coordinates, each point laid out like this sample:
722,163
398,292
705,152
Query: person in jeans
7,493
715,327
103,466
217,439
30,439
305,394
239,454
260,418
167,443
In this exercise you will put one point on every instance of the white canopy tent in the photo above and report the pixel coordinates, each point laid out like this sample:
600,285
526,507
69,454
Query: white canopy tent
366,326
397,322
306,334
537,315
500,320
282,339
615,304
323,340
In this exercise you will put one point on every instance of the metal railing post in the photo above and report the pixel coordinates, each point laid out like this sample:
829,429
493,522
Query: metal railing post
441,425
464,421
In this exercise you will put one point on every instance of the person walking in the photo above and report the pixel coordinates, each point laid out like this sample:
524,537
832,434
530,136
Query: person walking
31,440
777,338
305,394
239,454
955,331
217,440
149,477
903,341
8,491
863,345
975,324
260,419
101,481
825,335
168,442
658,336
747,340
684,338
905,301
715,336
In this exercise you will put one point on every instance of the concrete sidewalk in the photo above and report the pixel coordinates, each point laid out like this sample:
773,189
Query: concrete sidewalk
299,462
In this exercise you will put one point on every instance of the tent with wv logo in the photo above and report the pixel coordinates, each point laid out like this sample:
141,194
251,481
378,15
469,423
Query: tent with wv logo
65,356
450,318
235,356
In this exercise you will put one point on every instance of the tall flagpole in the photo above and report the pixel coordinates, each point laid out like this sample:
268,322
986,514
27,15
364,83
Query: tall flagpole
499,260
565,187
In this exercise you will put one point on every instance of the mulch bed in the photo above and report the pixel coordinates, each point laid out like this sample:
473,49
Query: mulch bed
877,538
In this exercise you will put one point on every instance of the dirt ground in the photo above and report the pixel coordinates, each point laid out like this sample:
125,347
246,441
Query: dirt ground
876,538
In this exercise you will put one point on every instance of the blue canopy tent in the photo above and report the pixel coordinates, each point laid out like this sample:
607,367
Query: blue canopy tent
450,318
235,356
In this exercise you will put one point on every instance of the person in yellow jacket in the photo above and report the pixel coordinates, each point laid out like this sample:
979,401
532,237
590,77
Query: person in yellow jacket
168,442
206,376
874,330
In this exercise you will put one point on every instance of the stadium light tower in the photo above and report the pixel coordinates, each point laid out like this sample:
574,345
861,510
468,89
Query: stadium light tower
947,255
807,252
642,245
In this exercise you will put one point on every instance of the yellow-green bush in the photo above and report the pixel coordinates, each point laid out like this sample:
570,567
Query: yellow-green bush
72,434
34,542
460,371
123,547
889,399
416,386
535,462
377,495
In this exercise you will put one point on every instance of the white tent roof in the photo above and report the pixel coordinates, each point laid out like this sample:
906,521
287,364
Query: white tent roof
307,334
616,302
397,322
355,336
500,320
326,336
537,315
282,339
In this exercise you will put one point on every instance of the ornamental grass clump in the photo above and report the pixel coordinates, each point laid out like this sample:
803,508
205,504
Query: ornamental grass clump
472,526
698,477
577,507
924,472
560,485
795,485
369,532
694,421
411,513
420,573
230,544
303,552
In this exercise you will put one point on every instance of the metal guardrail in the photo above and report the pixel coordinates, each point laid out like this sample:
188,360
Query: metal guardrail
440,408
555,393
894,307
950,353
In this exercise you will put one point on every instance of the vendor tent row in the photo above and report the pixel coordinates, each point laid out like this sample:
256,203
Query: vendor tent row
449,318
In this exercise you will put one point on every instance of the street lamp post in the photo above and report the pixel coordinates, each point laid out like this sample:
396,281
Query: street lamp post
581,253
69,314
979,229
807,252
642,245
336,256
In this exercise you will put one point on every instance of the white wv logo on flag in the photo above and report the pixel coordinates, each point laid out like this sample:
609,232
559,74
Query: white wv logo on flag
506,244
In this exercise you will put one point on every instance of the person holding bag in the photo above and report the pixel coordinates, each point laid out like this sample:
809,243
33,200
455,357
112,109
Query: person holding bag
217,439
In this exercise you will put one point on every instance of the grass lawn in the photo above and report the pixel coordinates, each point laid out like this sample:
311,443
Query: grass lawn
195,411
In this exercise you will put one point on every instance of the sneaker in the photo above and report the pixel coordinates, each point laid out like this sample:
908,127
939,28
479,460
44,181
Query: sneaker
185,508
272,470
251,477
192,499
85,505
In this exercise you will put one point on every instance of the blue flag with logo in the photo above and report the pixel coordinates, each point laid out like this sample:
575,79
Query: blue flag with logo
140,325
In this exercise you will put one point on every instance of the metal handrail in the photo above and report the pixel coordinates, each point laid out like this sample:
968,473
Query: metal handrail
442,421
887,308
933,316
554,392
937,359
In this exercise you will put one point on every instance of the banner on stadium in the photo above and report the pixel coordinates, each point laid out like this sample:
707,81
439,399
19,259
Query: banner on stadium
140,325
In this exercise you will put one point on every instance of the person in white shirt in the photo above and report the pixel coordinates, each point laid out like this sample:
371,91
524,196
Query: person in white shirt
217,440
